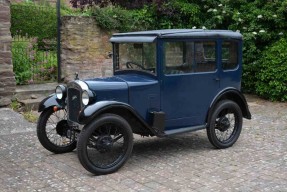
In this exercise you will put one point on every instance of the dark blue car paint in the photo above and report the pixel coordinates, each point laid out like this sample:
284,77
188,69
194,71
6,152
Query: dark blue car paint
144,93
186,99
109,88
138,90
230,78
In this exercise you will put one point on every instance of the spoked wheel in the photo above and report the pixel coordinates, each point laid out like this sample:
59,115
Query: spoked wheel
105,144
54,132
225,124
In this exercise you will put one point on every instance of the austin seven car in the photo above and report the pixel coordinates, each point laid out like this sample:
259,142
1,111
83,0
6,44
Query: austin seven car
164,82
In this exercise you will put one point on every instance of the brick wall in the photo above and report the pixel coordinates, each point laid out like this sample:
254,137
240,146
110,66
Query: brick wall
85,48
7,78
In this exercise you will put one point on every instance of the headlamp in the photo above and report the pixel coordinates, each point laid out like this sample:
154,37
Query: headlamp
61,92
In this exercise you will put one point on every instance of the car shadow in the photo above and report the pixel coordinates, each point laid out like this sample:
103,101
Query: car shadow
189,143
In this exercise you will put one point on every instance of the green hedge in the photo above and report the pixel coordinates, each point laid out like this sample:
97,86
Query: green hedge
30,20
22,64
32,65
272,74
34,32
173,14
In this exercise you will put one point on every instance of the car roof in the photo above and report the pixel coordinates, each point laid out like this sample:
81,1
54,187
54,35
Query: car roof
177,33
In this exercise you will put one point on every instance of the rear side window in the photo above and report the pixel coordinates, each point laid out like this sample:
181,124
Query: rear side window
190,57
229,55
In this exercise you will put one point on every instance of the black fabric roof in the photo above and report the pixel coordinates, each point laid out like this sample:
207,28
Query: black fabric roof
182,33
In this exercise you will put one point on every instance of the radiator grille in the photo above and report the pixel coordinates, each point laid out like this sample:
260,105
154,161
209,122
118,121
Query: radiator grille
74,104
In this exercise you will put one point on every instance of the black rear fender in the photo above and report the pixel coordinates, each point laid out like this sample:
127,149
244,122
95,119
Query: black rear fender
233,95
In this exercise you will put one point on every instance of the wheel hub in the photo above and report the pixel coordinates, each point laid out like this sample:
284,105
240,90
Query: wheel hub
223,124
104,143
62,128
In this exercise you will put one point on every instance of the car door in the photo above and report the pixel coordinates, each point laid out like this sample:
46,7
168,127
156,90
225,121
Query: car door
189,81
231,63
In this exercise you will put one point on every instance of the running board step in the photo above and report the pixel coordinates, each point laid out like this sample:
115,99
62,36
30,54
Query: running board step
184,130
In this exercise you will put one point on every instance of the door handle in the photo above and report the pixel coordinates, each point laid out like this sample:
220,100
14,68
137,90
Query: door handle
216,79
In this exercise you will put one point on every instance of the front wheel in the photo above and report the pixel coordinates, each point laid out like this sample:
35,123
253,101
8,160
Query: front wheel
105,144
54,132
225,124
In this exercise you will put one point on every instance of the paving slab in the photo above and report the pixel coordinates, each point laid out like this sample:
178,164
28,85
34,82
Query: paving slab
188,162
12,122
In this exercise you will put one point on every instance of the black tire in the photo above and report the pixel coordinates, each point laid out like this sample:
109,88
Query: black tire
225,124
99,148
52,131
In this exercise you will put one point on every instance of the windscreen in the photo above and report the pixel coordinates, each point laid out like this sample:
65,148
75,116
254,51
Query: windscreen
135,56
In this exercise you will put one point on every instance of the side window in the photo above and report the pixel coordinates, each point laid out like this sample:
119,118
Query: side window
189,57
205,56
173,57
229,55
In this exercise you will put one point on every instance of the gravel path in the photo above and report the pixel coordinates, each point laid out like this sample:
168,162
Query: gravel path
257,162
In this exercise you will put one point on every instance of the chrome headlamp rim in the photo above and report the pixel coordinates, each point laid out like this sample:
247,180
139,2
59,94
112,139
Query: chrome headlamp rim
87,97
61,92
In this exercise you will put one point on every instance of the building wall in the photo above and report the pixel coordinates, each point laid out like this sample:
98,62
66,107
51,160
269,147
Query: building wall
7,78
84,49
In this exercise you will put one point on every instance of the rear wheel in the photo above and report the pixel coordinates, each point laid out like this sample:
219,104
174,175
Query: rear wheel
54,132
225,124
105,144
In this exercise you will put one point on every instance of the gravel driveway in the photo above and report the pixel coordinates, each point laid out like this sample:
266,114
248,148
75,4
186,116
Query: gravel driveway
257,162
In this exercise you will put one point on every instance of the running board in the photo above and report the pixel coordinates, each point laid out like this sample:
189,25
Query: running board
184,130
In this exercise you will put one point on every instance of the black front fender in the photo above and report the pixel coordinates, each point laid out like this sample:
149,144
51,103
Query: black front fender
51,101
92,111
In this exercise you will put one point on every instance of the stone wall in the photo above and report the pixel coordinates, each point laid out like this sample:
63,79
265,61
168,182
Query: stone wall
7,78
85,49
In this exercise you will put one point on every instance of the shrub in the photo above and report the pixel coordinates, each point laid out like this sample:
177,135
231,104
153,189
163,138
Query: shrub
249,77
129,4
34,32
272,76
113,18
30,20
177,14
157,15
31,64
21,62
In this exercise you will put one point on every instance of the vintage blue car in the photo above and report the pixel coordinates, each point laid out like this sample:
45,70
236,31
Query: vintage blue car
165,82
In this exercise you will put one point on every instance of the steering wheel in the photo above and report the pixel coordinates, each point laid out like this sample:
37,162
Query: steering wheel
130,64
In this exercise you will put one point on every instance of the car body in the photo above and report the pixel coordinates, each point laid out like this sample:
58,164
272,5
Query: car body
165,82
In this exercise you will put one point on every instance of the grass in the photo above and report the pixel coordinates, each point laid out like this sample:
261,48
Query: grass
15,106
30,115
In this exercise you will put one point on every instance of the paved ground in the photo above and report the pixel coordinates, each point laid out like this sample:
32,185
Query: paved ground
257,162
